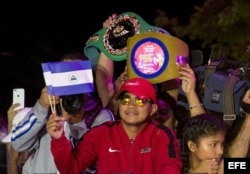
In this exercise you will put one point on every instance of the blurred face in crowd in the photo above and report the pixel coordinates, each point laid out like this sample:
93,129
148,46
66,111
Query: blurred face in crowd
135,111
164,111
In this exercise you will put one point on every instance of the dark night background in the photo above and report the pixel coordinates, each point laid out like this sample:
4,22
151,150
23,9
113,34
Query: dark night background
32,32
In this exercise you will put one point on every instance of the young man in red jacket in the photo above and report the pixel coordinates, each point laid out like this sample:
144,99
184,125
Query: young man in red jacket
133,144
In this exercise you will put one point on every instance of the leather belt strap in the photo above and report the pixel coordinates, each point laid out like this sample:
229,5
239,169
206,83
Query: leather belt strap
228,100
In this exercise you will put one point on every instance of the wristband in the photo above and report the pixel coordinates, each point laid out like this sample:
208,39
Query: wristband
195,106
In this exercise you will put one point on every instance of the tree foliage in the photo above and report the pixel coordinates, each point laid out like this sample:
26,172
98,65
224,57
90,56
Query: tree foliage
222,24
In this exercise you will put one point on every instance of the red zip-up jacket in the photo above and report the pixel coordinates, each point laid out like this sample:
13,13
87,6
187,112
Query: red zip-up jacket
155,150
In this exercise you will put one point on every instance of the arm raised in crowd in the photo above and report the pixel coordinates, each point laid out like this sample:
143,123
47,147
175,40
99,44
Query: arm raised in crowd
104,78
238,148
113,103
26,133
15,158
105,72
188,86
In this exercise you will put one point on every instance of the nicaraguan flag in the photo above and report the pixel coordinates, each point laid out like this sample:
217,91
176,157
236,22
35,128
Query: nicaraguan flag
67,78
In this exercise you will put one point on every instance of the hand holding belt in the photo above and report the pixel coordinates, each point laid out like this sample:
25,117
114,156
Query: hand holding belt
112,41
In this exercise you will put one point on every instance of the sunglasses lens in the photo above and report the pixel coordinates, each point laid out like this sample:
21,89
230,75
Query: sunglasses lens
136,101
140,102
125,100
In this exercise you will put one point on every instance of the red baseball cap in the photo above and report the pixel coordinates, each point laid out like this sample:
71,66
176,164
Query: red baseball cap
140,87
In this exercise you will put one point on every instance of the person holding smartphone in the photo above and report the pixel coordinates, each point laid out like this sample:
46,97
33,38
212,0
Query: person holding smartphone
31,134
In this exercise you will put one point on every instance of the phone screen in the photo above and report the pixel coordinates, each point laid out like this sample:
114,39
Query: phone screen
18,97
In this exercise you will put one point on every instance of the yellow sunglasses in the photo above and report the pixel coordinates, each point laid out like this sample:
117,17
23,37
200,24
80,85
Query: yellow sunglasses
126,100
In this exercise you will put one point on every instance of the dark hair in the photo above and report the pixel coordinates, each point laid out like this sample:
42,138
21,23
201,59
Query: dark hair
73,55
165,96
169,99
196,127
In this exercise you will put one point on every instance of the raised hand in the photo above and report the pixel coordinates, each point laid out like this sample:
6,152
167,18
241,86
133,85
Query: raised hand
188,79
108,21
55,126
211,166
45,100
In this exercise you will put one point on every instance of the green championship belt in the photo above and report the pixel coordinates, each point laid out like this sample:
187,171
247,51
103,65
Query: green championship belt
112,41
153,56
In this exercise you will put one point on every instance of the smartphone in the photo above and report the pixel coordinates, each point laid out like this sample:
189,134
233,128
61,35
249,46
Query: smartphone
19,97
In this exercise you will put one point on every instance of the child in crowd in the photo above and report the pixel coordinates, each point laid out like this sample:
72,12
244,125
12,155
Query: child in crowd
202,145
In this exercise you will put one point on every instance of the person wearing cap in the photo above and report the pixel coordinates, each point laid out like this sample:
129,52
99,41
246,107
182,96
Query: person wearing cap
30,133
168,113
132,144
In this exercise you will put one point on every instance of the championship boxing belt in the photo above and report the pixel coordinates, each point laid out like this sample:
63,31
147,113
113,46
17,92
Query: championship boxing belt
112,40
153,56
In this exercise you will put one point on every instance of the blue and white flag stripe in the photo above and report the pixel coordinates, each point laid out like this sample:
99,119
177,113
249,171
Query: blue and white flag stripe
47,76
75,89
55,67
66,78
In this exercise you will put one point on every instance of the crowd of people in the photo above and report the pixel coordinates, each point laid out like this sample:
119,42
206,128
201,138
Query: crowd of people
135,127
